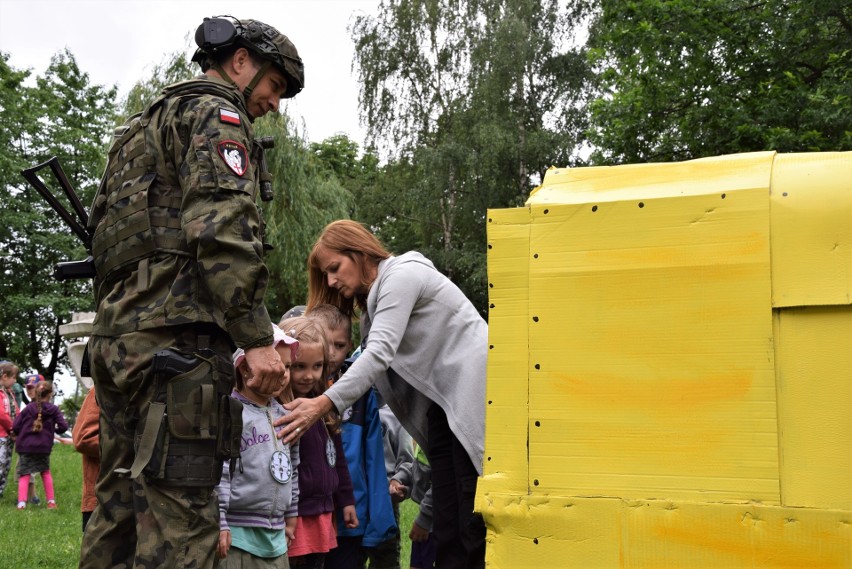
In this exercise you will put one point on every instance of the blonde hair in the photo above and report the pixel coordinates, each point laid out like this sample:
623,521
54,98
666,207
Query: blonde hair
43,391
349,238
286,395
8,368
309,331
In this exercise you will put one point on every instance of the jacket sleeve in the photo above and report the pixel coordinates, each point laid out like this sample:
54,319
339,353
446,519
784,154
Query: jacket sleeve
421,483
61,423
424,517
222,223
403,447
344,495
381,524
223,493
398,291
19,419
84,435
293,510
5,419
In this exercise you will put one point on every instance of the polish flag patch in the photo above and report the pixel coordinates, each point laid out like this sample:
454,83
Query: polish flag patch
229,116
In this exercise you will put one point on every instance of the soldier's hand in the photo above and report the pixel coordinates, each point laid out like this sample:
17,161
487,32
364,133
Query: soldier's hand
265,370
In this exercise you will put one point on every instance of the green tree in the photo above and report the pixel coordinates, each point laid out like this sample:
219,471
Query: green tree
360,175
67,117
18,119
308,196
472,100
680,79
174,67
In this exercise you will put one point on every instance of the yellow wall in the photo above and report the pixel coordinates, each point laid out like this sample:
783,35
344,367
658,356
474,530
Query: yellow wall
670,374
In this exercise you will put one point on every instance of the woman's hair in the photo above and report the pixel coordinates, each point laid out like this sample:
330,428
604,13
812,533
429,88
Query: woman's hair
308,331
43,392
350,238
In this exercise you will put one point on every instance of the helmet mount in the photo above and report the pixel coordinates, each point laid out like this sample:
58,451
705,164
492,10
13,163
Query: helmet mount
216,35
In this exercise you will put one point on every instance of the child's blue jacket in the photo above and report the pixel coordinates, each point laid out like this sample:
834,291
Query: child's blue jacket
363,446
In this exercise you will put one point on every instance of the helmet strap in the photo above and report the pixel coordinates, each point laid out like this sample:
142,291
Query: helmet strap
256,79
222,73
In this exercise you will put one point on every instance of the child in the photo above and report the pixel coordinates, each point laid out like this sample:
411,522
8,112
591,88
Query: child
34,428
324,482
8,411
32,380
418,477
30,383
260,498
86,438
398,448
364,449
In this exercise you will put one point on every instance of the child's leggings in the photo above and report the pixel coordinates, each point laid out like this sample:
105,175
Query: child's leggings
24,483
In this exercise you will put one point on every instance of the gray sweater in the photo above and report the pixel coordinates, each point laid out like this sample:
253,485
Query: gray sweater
425,343
252,496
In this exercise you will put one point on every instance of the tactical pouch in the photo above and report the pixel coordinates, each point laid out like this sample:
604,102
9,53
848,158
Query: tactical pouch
192,424
231,413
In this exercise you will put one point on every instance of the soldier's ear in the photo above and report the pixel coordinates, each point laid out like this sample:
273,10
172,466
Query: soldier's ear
241,62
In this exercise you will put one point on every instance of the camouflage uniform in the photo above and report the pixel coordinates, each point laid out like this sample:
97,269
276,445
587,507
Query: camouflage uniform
201,282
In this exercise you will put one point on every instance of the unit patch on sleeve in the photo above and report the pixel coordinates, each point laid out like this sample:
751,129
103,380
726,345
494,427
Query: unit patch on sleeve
235,156
229,116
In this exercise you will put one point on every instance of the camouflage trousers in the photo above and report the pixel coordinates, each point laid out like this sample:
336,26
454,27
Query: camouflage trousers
138,523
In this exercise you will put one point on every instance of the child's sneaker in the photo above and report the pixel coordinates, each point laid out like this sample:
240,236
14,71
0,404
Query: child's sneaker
22,505
51,505
35,501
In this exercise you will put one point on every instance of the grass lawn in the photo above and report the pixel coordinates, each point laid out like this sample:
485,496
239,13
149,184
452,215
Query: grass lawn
38,537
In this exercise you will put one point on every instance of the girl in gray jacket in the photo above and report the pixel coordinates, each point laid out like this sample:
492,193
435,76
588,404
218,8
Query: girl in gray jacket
259,499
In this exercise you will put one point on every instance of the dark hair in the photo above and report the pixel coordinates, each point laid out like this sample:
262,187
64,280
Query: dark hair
226,53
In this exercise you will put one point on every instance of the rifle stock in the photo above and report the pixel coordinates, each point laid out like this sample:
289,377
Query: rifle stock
70,269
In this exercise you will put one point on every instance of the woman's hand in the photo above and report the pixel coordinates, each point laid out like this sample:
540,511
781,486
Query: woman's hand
303,414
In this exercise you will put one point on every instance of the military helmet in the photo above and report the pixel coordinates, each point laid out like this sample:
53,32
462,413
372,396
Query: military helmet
220,32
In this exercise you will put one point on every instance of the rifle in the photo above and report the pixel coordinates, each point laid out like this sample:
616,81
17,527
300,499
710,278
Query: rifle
84,269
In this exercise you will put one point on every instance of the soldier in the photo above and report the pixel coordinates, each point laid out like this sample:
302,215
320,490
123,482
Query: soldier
177,242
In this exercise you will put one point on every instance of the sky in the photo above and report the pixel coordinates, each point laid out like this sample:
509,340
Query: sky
117,42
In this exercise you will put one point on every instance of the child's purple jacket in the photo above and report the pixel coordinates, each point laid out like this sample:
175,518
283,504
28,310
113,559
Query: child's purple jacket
28,442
